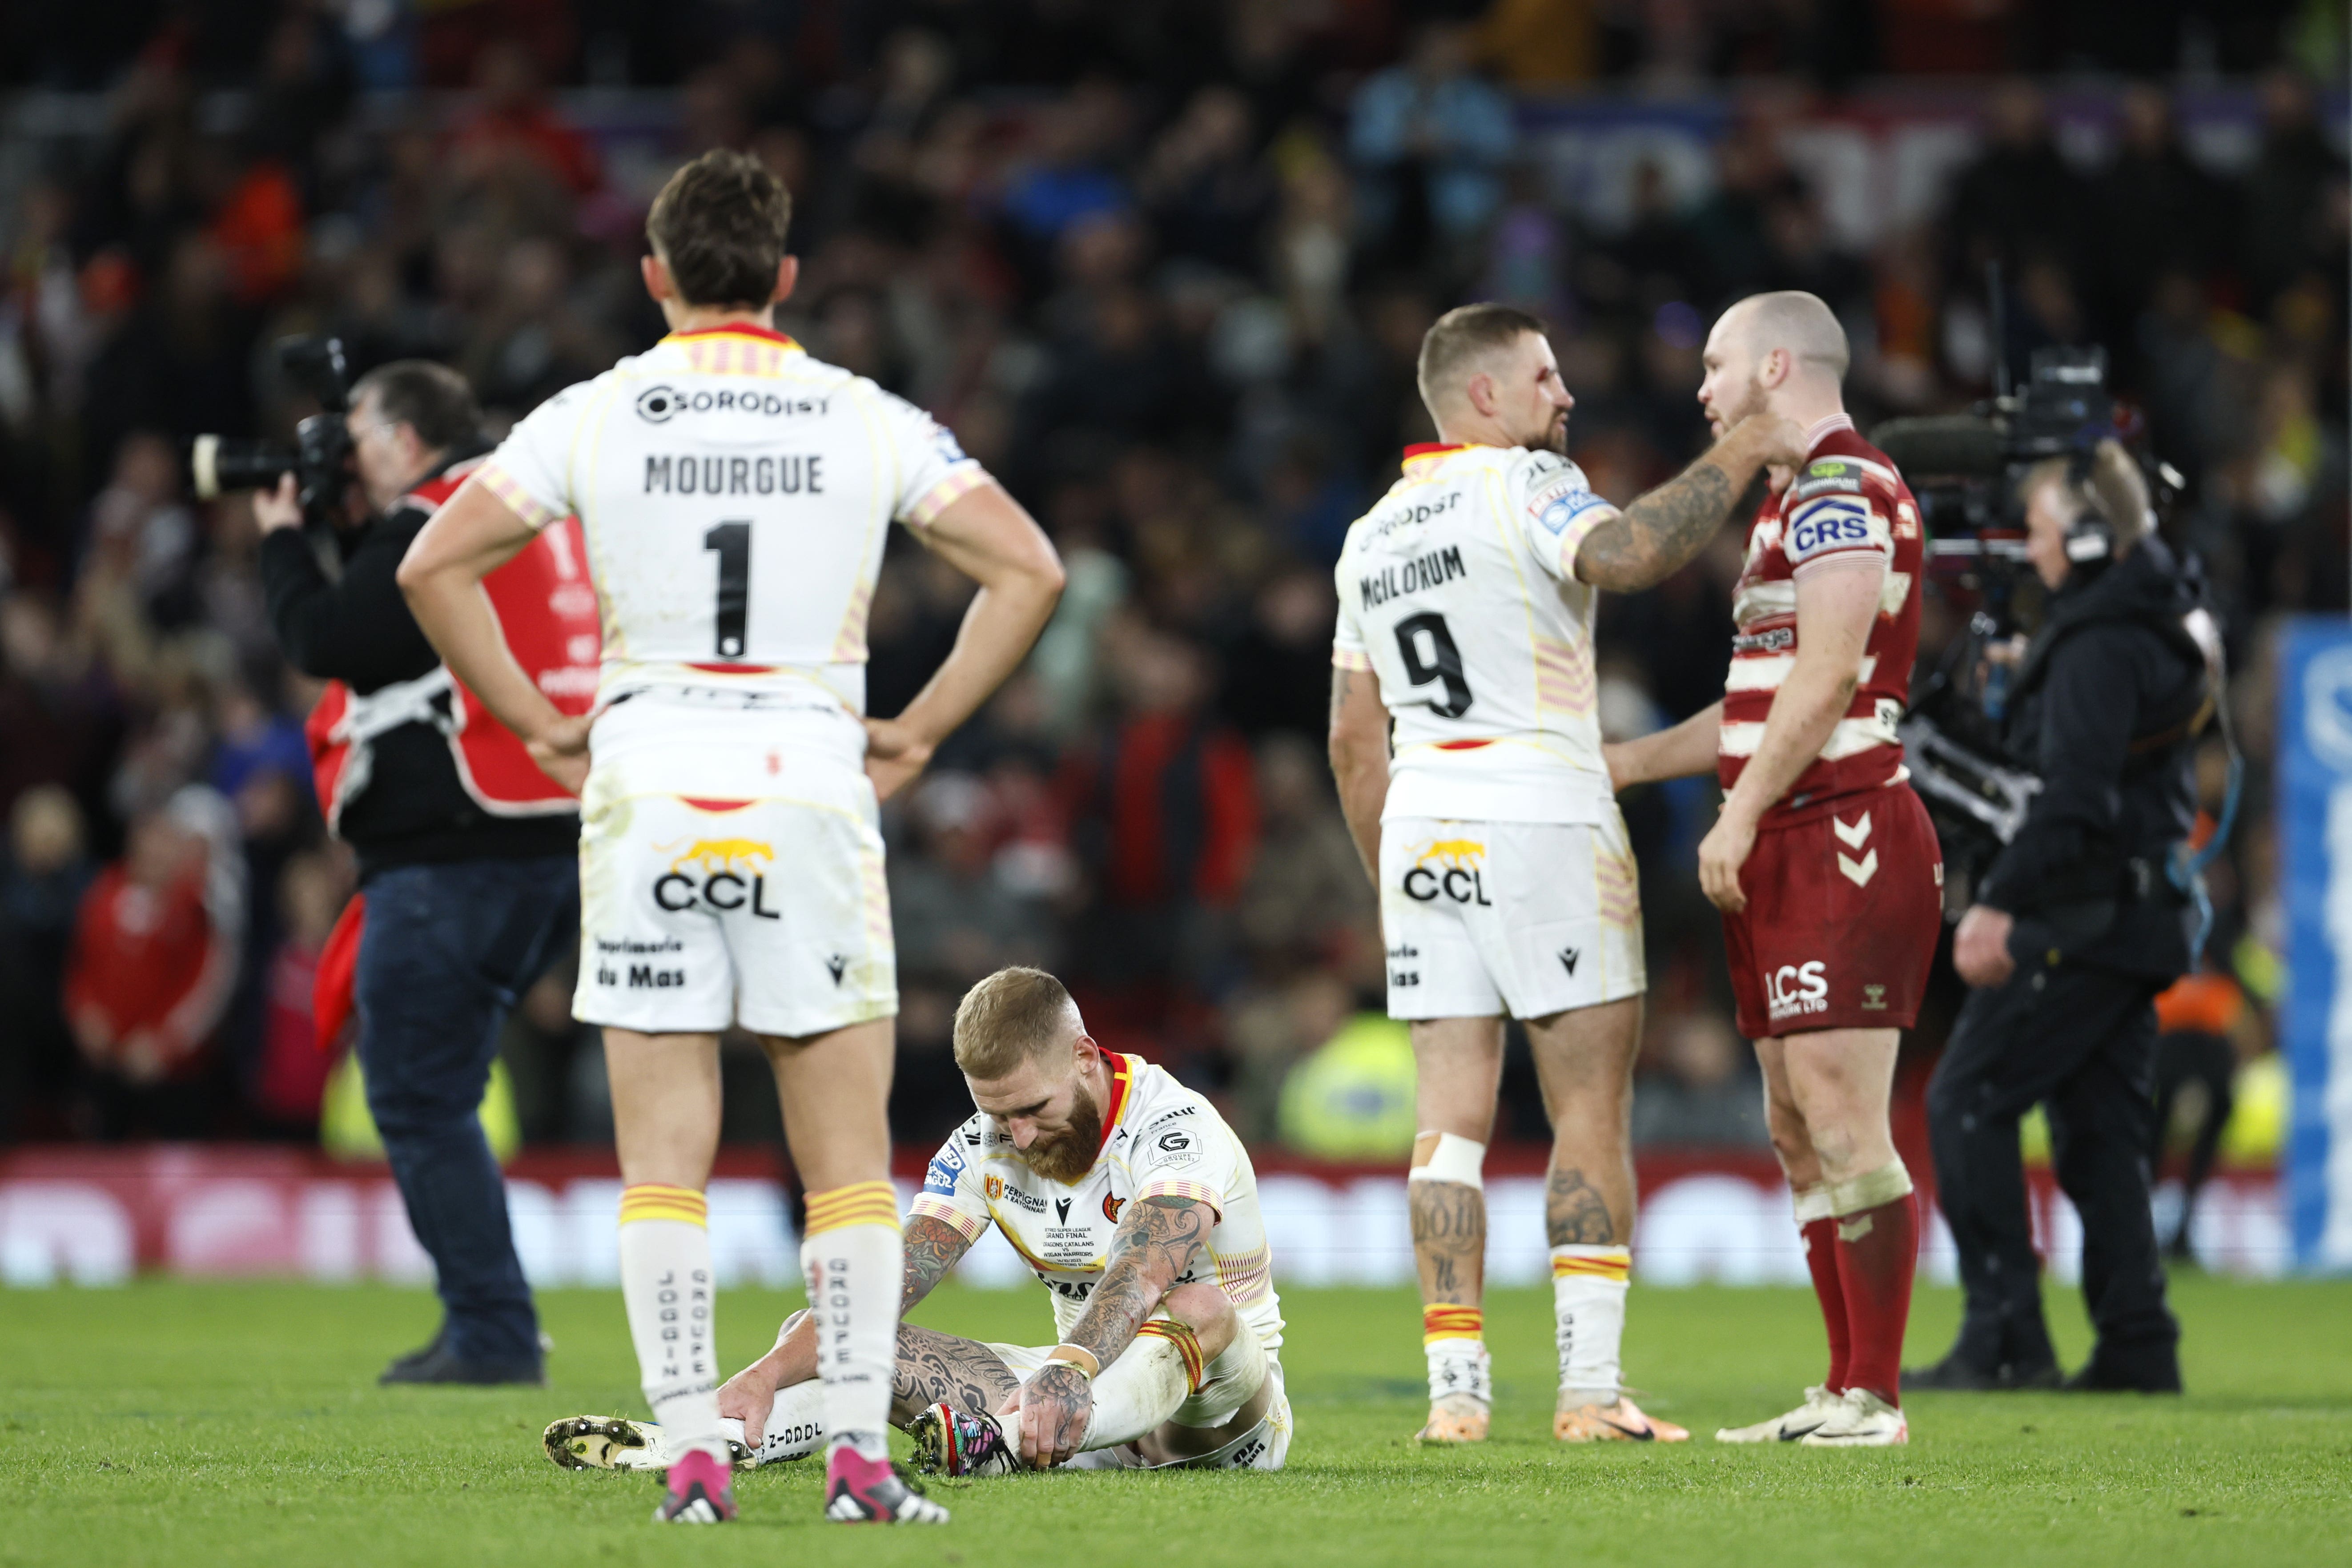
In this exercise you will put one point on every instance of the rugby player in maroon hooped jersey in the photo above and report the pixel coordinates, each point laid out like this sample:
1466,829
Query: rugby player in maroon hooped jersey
1823,861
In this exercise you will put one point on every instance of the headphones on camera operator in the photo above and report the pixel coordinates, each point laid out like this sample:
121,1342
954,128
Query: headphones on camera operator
2101,476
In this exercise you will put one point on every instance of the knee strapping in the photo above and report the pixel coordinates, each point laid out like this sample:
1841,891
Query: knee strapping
1455,1159
1870,1189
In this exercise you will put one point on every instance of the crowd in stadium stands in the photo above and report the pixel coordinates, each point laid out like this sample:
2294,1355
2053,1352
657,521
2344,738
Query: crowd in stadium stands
1162,268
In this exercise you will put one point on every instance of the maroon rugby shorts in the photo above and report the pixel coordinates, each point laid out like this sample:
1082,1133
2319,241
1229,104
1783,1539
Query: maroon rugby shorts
1844,906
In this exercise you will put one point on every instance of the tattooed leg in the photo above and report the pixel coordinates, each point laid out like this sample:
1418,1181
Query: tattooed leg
935,1368
1459,1063
1585,1061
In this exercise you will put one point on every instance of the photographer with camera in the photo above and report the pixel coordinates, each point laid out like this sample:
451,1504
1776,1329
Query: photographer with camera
469,880
2075,927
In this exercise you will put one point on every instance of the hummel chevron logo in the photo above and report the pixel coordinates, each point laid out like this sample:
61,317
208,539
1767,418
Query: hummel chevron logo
835,965
1567,957
1062,1209
1858,872
1852,836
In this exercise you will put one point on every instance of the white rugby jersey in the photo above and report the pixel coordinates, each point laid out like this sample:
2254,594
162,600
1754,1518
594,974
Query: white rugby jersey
1160,1140
735,495
1459,591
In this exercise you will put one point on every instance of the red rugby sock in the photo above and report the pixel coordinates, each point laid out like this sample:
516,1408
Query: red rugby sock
1877,1253
1821,1259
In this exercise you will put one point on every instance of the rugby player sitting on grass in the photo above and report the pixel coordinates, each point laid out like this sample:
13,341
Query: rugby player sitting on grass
1136,1205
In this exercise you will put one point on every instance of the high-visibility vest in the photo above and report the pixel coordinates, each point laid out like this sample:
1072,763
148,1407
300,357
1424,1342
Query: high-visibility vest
547,609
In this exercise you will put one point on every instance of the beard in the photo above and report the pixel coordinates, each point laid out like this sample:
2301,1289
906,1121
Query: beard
1751,401
1552,438
1067,1156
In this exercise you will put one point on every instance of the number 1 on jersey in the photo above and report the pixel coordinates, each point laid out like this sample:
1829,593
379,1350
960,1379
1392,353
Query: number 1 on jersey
733,543
1442,662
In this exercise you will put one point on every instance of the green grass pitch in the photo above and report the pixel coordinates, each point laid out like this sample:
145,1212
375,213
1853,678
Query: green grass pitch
183,1424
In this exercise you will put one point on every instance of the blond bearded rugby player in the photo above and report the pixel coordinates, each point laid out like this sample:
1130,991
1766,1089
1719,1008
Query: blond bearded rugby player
1136,1208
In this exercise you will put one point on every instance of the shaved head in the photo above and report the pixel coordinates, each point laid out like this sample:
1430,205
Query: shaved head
1793,320
1784,351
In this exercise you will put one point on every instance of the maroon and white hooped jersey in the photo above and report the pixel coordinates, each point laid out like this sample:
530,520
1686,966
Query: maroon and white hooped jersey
1848,508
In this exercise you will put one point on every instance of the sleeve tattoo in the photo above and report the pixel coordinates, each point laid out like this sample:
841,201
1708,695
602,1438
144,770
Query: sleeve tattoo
1656,536
933,1247
1153,1247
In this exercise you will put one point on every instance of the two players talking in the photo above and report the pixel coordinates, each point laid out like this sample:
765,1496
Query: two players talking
1472,771
735,493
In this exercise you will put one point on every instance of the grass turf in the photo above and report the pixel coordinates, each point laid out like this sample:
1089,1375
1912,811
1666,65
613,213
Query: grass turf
180,1424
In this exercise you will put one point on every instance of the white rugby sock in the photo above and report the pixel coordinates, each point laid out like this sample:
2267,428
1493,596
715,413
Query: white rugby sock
1454,1338
856,1261
1588,1293
1140,1390
666,1284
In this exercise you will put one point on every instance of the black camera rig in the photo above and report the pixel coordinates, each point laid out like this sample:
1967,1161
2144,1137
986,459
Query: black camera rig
321,458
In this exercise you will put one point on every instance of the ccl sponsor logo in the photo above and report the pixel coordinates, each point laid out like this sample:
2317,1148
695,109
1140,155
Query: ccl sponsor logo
1795,989
719,874
1448,869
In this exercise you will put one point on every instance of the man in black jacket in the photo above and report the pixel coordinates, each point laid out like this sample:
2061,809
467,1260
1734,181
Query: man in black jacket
464,906
2074,929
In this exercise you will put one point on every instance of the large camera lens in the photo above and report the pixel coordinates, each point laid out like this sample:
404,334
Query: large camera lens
218,464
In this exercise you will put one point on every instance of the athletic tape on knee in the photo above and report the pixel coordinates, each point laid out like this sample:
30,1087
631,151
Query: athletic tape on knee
1231,1378
1812,1203
1454,1159
1870,1189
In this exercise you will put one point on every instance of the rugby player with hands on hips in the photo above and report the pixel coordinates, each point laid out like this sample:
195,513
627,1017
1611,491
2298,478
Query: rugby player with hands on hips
1822,861
1468,757
1135,1204
735,496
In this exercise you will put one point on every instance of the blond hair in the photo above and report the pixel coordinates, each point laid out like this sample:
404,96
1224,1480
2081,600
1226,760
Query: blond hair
2114,490
1460,339
1801,322
1014,1017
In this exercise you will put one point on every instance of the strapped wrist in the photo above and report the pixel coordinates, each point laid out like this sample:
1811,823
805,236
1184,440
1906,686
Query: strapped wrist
1086,1363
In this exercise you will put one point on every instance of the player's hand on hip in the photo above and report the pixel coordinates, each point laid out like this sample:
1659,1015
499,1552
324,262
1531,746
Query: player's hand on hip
1056,1404
894,756
561,751
1980,947
1721,854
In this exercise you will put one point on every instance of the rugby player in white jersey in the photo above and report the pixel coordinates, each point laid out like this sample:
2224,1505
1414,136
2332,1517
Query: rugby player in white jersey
1136,1205
736,495
1468,757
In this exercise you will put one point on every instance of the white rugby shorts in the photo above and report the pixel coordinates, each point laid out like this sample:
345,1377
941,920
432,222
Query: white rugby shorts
761,903
1527,918
1264,1446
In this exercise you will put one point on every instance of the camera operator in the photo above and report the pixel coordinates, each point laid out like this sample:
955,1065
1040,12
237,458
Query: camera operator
2074,929
468,878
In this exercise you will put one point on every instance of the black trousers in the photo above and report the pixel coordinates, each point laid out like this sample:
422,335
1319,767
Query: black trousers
2079,1040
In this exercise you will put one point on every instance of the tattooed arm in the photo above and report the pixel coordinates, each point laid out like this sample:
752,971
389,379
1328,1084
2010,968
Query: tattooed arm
933,1247
1359,758
1656,536
1151,1249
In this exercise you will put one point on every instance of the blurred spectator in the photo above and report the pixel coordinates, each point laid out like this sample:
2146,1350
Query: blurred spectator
1165,822
45,869
1432,140
2019,199
954,917
1352,1098
291,1078
1307,900
2286,206
1701,1094
153,958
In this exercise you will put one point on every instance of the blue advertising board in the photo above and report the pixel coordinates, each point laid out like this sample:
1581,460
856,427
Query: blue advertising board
2314,815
